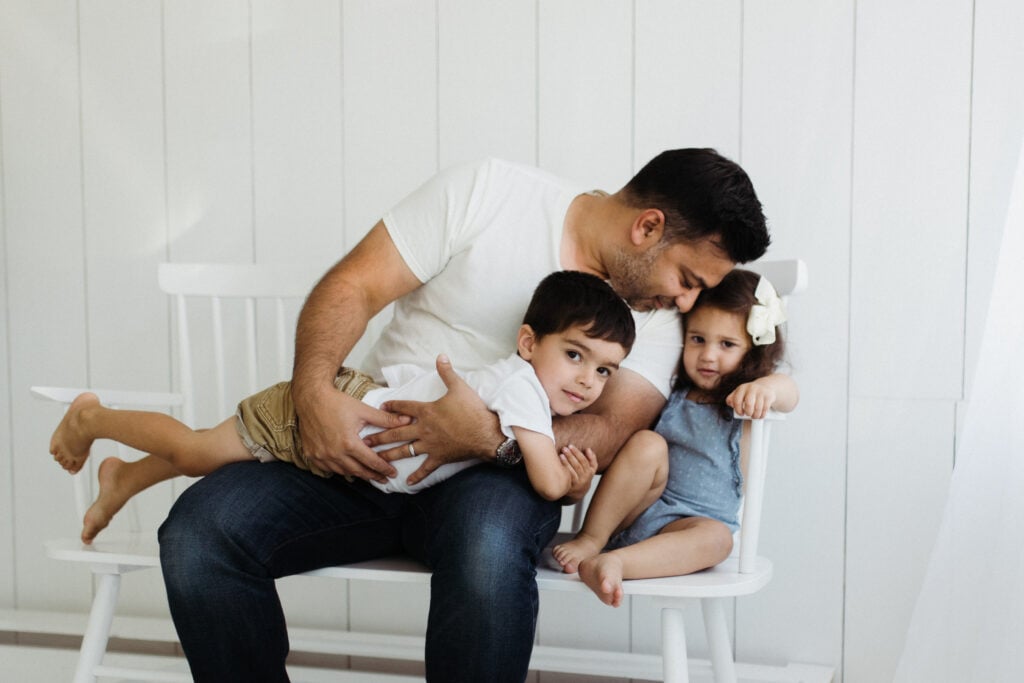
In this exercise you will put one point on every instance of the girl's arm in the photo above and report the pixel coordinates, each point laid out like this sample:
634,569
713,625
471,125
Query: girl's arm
754,399
549,476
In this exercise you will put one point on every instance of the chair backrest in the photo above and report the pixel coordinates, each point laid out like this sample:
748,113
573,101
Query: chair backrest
235,330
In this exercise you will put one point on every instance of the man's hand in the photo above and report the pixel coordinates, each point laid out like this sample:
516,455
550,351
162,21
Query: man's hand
457,426
330,421
583,466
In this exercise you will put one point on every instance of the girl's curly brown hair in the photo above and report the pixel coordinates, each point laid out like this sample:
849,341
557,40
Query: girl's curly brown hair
735,294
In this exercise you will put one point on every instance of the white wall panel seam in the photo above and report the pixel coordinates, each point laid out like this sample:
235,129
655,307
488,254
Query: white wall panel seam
81,193
967,213
849,352
252,132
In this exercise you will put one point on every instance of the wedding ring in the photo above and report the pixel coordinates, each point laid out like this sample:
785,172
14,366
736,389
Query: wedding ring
412,451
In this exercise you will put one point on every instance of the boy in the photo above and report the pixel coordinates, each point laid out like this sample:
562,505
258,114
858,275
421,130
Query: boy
575,333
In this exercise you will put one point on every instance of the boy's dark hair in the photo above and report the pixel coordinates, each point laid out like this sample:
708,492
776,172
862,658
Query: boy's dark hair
702,195
735,294
566,298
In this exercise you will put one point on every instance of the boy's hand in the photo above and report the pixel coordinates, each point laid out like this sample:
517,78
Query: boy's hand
752,400
583,466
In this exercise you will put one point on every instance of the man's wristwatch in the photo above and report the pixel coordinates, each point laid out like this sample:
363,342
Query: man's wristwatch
508,453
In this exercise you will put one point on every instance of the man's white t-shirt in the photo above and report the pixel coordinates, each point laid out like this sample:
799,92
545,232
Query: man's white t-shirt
509,388
480,237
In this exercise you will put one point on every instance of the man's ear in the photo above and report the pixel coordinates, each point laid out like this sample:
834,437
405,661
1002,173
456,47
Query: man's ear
525,342
648,228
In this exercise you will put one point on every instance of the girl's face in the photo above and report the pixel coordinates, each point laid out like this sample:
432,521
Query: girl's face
715,344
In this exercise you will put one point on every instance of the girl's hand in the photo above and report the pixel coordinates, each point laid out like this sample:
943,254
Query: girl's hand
752,399
582,466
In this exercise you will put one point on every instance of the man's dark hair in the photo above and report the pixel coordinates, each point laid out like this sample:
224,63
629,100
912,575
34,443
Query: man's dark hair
702,195
568,298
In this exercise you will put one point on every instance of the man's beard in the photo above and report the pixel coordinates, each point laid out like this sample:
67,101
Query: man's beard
630,276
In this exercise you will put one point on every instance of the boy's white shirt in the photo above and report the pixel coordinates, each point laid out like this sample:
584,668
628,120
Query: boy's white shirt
509,387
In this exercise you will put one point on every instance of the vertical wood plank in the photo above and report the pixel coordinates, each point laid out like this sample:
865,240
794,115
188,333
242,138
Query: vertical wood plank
688,66
901,457
297,128
390,106
797,128
45,276
487,86
910,198
586,91
209,130
997,127
6,401
125,229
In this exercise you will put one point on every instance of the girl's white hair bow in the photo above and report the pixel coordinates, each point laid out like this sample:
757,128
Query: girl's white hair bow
766,314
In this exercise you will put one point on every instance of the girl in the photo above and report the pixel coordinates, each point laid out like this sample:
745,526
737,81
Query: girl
668,503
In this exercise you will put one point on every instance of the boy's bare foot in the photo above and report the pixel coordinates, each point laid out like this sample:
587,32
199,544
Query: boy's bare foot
571,553
113,495
68,445
603,575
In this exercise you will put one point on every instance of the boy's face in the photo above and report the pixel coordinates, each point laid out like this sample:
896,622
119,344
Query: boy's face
572,367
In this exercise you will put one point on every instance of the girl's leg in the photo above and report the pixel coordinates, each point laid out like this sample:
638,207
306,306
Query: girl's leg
119,481
634,480
685,546
190,452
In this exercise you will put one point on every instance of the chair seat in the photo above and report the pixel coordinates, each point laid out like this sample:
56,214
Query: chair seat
130,549
139,550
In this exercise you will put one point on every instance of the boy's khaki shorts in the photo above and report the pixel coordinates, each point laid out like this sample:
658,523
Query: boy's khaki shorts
269,427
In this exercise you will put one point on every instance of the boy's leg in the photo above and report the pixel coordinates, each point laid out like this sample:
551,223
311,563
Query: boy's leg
232,533
191,452
119,481
481,532
634,480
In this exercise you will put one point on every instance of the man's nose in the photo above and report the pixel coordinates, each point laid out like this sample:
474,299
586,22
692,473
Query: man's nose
684,302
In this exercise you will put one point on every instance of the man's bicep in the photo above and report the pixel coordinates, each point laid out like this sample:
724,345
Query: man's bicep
376,269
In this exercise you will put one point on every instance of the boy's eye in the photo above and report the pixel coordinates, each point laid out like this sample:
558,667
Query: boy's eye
604,372
696,339
573,355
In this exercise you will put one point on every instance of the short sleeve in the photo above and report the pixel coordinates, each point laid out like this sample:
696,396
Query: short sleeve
433,222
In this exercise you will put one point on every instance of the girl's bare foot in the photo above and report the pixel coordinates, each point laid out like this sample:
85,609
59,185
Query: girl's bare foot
69,445
113,495
571,553
603,575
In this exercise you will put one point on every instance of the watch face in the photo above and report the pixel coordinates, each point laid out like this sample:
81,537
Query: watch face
508,453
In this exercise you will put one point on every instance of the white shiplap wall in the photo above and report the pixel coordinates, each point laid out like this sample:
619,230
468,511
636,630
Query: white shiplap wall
880,135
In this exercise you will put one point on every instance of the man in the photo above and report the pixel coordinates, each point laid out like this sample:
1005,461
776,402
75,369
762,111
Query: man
459,258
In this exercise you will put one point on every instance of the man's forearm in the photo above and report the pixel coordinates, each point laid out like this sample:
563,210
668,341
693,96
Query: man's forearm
603,434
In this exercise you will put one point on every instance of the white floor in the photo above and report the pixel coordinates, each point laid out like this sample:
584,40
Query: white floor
22,664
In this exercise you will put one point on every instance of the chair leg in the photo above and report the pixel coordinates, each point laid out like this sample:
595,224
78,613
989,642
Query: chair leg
675,665
717,630
97,632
